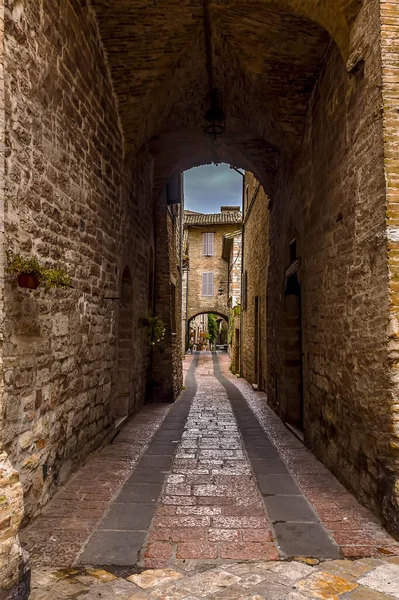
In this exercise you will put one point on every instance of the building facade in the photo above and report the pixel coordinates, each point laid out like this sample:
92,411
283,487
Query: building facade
254,282
232,253
207,285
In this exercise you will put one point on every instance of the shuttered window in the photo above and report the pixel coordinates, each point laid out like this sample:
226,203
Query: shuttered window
207,284
207,243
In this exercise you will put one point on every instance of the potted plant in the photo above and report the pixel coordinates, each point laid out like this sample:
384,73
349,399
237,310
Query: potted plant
30,273
155,329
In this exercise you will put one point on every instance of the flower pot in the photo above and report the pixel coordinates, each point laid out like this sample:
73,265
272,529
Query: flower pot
29,281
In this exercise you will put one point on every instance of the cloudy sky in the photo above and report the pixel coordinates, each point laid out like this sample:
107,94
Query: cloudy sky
208,188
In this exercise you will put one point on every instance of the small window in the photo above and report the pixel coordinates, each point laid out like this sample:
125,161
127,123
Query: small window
207,284
207,243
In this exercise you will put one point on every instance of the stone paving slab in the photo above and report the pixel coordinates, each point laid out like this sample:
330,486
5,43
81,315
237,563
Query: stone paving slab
298,529
214,507
203,497
355,529
129,517
364,579
59,535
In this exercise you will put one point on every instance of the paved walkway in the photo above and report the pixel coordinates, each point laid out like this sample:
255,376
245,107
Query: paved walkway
211,499
365,579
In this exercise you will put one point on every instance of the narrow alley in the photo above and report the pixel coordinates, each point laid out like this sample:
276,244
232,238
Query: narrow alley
204,499
199,299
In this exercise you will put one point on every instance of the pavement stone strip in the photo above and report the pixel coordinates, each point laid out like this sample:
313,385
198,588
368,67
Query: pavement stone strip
218,500
364,579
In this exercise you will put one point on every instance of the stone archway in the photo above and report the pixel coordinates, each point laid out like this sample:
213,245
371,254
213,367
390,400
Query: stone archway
121,110
221,337
194,314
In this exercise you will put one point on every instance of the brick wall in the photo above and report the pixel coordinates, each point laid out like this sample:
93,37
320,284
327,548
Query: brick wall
333,202
75,200
255,264
235,271
14,570
390,79
167,378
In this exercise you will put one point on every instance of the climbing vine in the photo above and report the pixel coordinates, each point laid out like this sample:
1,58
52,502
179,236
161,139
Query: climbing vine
212,328
233,313
155,329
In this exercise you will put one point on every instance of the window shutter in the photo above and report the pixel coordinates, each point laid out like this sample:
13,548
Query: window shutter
210,284
204,283
205,244
210,244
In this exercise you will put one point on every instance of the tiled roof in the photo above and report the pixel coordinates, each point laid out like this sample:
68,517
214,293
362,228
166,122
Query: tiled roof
233,234
223,218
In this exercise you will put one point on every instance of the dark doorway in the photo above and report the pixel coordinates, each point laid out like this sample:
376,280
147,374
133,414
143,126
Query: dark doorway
292,392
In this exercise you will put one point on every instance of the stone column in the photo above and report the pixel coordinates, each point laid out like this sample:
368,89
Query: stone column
14,569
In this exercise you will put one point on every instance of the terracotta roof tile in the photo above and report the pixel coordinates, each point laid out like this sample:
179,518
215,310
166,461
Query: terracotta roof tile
224,218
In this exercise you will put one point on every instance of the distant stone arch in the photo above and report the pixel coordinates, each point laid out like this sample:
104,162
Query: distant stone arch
208,312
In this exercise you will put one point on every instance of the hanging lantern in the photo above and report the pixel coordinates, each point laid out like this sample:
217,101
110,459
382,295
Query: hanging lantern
215,119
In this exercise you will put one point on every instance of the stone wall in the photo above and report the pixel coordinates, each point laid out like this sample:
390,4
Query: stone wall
14,567
332,201
235,271
390,78
184,310
74,200
234,302
167,378
255,267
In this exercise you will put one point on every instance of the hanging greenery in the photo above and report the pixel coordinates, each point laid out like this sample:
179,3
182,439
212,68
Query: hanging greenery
233,313
155,329
31,273
212,328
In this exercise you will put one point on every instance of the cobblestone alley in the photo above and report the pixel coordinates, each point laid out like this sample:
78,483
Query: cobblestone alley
205,498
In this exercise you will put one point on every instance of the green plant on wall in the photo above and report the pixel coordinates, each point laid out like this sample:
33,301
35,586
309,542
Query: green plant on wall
50,278
212,328
155,329
233,313
236,310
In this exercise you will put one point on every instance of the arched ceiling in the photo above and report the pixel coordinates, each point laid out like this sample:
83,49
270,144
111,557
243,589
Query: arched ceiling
180,150
266,53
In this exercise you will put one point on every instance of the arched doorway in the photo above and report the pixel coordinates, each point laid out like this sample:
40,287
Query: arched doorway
291,381
207,331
